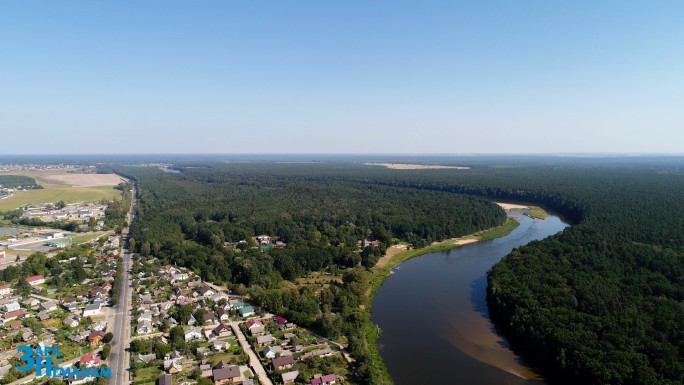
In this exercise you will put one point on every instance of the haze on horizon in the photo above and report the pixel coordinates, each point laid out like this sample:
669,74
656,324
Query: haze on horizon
341,77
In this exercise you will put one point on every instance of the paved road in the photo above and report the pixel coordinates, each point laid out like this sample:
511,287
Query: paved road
118,358
253,359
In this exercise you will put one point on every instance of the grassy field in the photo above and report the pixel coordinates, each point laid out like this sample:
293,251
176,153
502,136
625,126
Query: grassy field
56,193
497,232
147,375
537,212
87,237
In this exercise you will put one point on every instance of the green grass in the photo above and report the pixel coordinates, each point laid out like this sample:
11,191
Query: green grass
87,237
537,212
147,375
55,194
497,232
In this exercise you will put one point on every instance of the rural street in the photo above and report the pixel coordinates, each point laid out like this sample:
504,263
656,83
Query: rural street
253,359
118,358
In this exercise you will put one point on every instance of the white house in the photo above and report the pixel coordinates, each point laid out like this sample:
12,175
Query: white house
221,345
35,280
272,351
144,327
100,326
11,306
5,290
71,322
193,334
145,316
49,305
92,309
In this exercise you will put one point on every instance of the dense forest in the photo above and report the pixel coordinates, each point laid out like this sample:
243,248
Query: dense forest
600,303
18,181
198,219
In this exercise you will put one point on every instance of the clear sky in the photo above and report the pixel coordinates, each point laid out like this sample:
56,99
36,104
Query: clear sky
341,76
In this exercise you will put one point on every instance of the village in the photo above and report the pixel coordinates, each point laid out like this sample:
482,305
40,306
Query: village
68,304
187,331
183,330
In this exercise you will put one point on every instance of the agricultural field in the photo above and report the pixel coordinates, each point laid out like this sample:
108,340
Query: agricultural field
56,194
64,185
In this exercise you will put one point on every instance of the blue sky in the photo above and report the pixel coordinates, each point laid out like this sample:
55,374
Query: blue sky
341,76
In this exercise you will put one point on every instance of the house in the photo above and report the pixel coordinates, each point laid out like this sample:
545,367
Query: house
17,314
145,298
165,379
289,336
92,309
174,355
325,352
146,358
27,336
96,291
31,303
144,327
43,316
15,325
209,317
88,360
255,327
69,303
145,316
223,315
222,330
179,277
49,305
206,370
175,367
11,306
264,239
5,290
246,311
272,351
205,291
265,340
99,326
220,345
202,352
95,337
283,363
328,379
226,374
35,280
193,334
289,377
70,321
280,320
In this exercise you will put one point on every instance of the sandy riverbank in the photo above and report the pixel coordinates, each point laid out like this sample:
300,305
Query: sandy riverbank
511,206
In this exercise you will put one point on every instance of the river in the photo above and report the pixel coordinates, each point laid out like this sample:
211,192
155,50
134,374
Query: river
434,318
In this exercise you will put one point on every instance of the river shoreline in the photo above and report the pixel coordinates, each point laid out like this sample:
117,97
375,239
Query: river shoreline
381,273
453,319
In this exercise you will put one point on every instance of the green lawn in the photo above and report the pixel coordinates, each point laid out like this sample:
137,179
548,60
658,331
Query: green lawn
53,194
87,237
499,231
537,212
147,375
